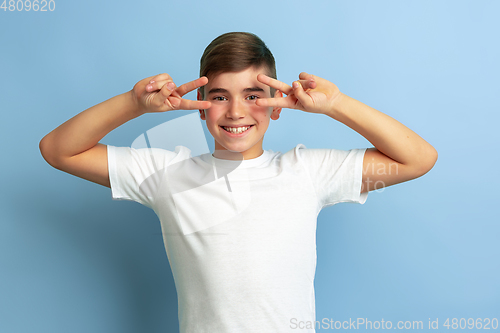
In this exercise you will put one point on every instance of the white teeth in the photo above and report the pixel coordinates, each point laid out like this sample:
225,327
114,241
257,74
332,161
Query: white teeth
236,130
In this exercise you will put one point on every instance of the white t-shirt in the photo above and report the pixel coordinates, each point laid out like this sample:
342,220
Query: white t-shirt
240,236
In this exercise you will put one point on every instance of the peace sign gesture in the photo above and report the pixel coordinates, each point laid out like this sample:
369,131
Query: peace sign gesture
159,94
310,93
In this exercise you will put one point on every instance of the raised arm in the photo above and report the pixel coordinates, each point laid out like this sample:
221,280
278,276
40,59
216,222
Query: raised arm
399,154
74,146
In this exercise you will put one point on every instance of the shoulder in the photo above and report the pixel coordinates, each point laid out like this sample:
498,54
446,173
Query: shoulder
179,151
157,156
302,154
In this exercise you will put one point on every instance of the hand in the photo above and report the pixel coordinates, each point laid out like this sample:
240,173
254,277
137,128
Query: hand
159,94
311,94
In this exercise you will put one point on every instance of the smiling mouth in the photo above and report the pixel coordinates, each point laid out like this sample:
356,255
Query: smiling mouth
236,130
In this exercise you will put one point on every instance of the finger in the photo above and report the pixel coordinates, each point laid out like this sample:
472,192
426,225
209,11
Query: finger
165,91
192,85
307,84
317,79
161,77
273,83
187,104
157,85
282,102
301,95
305,76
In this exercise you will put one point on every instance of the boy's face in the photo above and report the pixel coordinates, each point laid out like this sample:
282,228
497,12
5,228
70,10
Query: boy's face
234,120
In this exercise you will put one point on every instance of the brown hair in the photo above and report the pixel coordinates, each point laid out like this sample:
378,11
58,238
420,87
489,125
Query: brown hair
235,52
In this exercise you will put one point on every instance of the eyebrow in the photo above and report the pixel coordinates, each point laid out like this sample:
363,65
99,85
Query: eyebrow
225,91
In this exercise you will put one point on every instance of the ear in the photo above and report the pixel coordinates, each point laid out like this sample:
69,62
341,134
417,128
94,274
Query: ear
202,112
276,110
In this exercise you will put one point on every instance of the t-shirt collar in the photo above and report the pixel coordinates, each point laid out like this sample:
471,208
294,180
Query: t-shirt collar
251,163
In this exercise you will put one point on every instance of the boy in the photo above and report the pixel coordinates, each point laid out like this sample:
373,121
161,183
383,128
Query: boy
241,247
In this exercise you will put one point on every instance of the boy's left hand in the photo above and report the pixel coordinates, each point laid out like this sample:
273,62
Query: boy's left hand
310,93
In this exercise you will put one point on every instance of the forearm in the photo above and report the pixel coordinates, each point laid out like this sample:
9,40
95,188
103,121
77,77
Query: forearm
87,128
389,136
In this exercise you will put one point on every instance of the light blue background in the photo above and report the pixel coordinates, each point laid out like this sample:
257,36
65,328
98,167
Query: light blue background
73,260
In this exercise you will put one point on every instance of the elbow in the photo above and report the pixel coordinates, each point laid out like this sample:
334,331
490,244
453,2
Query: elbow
427,161
45,151
432,157
42,145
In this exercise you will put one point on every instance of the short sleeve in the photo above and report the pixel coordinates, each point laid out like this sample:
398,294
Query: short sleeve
135,174
335,174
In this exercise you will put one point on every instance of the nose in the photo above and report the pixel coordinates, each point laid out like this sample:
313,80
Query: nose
236,110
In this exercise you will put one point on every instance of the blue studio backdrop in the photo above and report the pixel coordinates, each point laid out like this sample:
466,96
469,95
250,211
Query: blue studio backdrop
73,260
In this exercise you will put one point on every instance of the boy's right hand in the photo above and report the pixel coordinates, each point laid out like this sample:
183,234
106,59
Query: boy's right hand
159,94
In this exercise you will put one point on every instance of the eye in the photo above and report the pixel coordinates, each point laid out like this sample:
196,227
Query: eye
252,97
219,98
